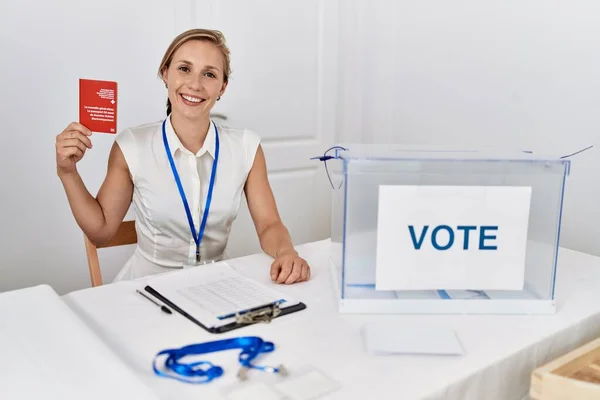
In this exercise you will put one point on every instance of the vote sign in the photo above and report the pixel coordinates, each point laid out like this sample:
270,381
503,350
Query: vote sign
452,237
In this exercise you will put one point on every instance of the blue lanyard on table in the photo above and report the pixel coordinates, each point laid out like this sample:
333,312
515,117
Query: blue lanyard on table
197,237
205,371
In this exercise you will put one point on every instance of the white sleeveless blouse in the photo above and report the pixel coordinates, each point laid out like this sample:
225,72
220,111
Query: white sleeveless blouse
165,240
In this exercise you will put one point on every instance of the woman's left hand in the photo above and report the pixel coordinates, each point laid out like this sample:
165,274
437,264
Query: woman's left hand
289,268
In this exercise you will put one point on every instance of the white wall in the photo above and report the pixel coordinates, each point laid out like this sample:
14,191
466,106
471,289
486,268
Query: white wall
513,72
470,72
47,45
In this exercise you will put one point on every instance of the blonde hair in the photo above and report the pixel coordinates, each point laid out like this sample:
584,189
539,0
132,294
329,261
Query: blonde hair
207,35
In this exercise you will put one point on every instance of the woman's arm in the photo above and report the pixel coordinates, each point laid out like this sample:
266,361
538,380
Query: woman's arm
274,237
100,217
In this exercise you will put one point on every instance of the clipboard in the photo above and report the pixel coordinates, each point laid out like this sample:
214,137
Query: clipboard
219,299
262,314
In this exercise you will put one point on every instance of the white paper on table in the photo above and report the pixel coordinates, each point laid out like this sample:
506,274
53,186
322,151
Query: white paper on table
390,338
49,353
214,293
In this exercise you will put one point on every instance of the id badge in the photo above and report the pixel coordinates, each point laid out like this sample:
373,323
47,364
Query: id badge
194,265
304,383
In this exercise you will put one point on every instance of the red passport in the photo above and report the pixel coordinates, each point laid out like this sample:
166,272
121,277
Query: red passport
98,105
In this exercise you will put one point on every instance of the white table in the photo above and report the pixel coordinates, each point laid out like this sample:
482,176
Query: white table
501,351
49,353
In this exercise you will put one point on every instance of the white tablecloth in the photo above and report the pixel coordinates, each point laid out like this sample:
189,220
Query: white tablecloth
49,353
501,351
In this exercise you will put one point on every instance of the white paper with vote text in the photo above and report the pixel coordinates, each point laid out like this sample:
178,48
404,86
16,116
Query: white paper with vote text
452,237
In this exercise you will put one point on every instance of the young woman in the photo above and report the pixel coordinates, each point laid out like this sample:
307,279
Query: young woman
185,175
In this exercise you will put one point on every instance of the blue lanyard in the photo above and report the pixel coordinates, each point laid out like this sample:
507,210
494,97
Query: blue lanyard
197,237
205,371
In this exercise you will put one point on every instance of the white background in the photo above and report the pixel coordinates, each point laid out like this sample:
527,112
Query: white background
306,74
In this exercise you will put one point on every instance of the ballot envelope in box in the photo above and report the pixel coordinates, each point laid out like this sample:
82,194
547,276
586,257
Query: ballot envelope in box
418,230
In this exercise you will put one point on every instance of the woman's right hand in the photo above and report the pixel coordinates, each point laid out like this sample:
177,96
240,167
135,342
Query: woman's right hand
71,145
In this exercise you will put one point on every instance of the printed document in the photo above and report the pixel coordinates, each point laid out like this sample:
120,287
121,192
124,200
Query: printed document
214,293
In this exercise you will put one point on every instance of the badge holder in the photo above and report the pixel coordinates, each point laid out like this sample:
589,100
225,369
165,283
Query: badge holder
303,383
198,265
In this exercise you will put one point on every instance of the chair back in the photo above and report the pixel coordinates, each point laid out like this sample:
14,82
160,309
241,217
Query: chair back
125,235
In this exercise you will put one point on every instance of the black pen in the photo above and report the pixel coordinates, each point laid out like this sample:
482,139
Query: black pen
162,307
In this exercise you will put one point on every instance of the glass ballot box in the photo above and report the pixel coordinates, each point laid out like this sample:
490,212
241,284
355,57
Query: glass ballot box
419,230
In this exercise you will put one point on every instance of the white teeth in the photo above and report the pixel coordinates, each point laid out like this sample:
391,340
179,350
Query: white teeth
192,99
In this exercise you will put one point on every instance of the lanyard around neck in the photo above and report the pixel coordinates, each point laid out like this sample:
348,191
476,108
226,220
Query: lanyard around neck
197,237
